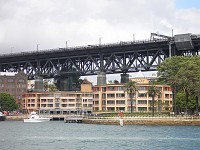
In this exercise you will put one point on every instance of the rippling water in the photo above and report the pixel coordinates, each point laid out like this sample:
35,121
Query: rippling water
17,135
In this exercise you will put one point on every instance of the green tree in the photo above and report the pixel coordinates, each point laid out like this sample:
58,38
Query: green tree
131,88
153,91
182,74
51,87
7,102
167,73
46,85
181,102
189,77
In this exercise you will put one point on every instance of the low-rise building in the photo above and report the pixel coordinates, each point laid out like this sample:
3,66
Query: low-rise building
15,85
60,102
114,97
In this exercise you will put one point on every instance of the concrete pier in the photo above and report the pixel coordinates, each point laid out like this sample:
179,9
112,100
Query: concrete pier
39,85
124,78
101,78
73,119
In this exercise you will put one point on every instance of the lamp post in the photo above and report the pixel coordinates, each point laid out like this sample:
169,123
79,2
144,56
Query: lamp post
37,47
134,36
11,50
66,44
99,40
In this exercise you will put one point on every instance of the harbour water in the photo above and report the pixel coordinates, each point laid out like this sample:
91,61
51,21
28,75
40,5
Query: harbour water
57,135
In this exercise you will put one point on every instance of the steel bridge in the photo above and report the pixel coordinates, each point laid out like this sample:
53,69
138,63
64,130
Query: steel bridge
121,57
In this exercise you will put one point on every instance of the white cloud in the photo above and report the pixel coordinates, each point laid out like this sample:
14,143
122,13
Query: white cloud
50,23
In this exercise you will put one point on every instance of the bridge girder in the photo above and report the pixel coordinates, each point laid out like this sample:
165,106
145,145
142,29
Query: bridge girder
119,58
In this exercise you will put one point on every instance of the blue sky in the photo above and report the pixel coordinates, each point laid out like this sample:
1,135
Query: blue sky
184,4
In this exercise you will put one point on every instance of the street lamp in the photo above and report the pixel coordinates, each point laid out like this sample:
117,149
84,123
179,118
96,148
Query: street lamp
134,36
99,40
66,44
11,50
37,47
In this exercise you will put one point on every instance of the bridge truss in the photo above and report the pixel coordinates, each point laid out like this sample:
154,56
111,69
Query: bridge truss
122,57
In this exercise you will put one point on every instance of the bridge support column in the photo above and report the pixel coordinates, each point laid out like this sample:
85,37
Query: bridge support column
64,84
124,78
101,78
39,86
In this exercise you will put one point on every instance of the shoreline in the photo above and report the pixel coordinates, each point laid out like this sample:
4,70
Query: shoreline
169,121
146,121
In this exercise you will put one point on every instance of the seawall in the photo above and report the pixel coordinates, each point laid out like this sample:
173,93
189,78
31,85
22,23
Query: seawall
146,121
179,121
16,118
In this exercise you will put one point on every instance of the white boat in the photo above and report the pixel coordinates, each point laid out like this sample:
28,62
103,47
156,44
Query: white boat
121,122
2,117
36,118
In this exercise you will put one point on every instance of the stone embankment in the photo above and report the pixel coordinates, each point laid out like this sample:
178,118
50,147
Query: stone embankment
146,121
16,118
182,120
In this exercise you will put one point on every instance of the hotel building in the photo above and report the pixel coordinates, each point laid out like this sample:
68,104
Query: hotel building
113,97
60,102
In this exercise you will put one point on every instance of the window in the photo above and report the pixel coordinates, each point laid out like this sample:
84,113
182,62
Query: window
50,105
111,102
132,94
57,105
110,95
111,108
111,88
71,100
96,96
167,96
71,95
129,102
143,102
43,105
103,102
142,88
142,108
90,105
103,89
43,100
10,80
96,89
90,100
142,95
21,80
50,100
84,100
120,95
120,101
103,95
167,88
129,108
120,88
96,102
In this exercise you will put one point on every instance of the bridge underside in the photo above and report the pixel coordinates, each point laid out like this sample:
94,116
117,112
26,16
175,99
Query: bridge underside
123,57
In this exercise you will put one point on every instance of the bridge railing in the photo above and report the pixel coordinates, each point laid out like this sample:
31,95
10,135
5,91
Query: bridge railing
88,47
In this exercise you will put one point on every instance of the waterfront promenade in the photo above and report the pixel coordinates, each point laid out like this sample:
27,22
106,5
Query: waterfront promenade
146,121
180,120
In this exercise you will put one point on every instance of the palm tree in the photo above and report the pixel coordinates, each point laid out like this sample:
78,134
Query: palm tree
131,88
153,91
